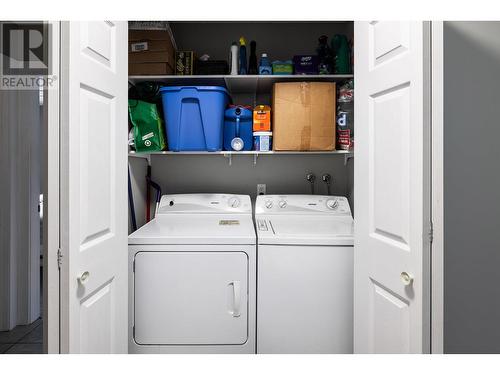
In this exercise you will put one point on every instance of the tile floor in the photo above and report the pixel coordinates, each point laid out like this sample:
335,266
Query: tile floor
23,339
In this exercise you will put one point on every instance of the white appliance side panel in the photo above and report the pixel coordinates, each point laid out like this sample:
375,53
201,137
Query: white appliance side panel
305,299
190,298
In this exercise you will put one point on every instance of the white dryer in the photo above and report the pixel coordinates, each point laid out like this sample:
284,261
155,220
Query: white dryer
192,277
305,274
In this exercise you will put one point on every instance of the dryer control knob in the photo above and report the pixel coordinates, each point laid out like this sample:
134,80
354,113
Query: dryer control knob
282,204
332,204
269,204
233,202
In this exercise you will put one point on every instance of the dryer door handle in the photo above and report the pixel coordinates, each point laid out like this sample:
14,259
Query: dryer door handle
236,298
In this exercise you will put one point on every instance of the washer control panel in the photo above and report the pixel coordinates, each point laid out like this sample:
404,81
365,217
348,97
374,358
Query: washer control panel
328,204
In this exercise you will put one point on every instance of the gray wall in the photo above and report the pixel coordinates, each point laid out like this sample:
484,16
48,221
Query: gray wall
280,40
472,187
282,174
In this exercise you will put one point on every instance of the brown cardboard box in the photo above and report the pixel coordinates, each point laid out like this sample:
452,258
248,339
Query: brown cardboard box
149,69
150,46
154,49
150,57
137,35
304,116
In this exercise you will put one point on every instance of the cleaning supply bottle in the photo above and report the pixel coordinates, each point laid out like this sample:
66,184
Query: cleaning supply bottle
341,50
325,56
252,60
234,59
243,56
265,66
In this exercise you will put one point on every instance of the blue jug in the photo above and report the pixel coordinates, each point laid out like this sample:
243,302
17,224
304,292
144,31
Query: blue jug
238,134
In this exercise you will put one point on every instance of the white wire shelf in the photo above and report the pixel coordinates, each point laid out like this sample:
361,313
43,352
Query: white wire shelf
229,154
236,83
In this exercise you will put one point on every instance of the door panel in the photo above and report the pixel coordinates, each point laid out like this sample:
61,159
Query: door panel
98,307
98,172
387,41
191,298
391,314
389,182
390,333
98,42
94,187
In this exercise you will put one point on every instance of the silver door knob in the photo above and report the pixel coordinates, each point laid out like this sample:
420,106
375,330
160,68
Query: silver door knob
83,278
406,278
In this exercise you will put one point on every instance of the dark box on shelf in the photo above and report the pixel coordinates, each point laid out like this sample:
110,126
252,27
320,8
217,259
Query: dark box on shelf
305,64
211,67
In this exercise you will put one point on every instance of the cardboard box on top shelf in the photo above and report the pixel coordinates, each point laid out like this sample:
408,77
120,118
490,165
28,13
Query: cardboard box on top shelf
151,52
150,46
155,69
150,57
304,116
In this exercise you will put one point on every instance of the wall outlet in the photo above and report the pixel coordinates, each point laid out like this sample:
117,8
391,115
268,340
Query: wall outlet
261,189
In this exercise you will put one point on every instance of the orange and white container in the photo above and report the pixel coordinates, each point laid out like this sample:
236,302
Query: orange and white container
262,118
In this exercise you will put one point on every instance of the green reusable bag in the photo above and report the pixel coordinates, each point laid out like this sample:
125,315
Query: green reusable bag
148,131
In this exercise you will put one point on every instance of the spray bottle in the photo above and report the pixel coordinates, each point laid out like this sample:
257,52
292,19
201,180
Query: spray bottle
243,56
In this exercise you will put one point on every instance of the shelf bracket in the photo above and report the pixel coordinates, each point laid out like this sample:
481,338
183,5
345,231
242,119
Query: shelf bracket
146,157
230,157
347,157
255,156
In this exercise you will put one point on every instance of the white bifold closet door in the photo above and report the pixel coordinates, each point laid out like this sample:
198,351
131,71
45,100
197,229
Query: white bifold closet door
392,209
94,281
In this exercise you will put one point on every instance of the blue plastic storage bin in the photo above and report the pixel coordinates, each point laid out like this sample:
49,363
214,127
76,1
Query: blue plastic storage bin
238,124
194,117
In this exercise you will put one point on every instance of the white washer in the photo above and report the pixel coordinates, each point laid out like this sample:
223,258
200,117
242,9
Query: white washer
305,274
192,277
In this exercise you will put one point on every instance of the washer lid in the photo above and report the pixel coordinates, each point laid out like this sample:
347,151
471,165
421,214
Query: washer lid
305,230
196,229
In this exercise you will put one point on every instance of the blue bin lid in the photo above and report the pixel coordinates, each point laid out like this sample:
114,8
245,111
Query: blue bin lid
199,88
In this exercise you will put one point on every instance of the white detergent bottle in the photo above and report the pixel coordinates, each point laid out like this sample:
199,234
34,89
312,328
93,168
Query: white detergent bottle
234,59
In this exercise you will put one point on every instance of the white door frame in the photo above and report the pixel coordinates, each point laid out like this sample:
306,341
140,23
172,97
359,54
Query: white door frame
51,337
437,136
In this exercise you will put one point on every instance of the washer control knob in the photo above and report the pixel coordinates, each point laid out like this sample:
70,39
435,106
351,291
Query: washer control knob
233,202
332,204
269,204
282,204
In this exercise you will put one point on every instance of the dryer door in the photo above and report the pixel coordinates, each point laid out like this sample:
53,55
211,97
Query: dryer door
191,298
